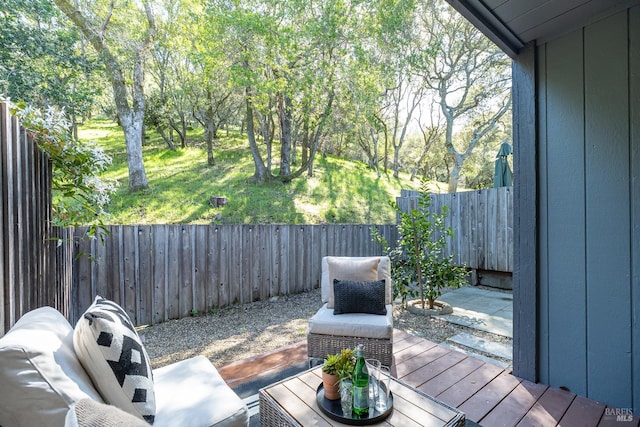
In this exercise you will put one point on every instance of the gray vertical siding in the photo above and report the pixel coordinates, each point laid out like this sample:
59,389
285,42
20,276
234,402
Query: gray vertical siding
565,215
608,226
589,210
525,200
634,94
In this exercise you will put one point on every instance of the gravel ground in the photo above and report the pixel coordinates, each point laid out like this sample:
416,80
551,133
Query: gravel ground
242,331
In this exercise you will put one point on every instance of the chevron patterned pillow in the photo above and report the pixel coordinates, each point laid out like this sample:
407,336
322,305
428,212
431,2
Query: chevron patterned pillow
112,353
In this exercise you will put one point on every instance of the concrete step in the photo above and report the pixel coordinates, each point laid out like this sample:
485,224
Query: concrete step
499,363
501,350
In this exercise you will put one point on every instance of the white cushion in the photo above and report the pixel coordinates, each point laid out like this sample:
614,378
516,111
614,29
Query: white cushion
112,353
40,376
352,324
192,393
354,268
89,413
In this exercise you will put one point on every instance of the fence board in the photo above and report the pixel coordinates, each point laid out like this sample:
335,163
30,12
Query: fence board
283,254
10,178
213,268
482,222
34,268
158,273
274,261
234,248
200,269
248,253
4,242
223,254
145,275
128,264
173,283
186,269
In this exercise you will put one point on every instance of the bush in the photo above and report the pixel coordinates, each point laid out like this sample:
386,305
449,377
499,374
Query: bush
419,267
79,195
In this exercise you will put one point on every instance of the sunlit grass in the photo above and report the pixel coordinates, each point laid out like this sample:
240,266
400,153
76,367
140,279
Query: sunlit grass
181,184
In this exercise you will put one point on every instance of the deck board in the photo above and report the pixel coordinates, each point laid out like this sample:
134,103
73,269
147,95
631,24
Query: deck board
549,409
583,412
515,405
488,397
406,367
487,393
458,393
431,370
450,376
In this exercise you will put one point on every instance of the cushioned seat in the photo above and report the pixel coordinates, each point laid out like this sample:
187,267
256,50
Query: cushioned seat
330,332
352,324
192,393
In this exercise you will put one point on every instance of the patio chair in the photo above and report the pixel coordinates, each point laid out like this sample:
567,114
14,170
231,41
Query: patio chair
360,311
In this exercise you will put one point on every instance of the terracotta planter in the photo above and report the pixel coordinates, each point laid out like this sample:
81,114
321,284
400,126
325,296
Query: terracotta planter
331,386
439,308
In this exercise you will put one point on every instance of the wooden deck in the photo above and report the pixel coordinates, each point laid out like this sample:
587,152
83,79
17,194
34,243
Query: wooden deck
487,394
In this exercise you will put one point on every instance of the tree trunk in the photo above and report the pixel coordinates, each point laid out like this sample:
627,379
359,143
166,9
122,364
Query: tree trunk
386,150
285,110
376,159
261,173
210,131
131,116
313,142
396,161
267,128
454,177
305,141
132,127
416,168
210,134
166,138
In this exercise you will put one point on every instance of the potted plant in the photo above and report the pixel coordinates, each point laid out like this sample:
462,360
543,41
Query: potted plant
419,267
337,367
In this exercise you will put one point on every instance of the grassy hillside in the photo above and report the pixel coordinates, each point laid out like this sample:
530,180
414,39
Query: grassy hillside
181,184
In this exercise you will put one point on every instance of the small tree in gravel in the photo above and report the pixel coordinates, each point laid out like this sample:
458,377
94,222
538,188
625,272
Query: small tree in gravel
419,267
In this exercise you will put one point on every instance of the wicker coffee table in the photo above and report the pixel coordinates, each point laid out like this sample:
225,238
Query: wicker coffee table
292,402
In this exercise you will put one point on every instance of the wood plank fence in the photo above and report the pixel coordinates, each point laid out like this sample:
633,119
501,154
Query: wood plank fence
482,223
34,267
160,272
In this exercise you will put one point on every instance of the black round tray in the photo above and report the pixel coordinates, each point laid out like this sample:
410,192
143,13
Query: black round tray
333,410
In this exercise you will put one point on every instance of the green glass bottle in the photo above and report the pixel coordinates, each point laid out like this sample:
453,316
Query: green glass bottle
360,385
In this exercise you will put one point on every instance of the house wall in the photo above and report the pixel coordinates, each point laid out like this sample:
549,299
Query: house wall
588,191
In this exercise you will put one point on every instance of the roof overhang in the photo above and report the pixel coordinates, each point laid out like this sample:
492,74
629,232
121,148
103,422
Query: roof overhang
512,24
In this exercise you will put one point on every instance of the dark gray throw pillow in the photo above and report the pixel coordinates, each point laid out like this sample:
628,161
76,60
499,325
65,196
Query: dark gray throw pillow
359,297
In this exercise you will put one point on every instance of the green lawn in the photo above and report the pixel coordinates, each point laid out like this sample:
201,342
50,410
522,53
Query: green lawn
181,184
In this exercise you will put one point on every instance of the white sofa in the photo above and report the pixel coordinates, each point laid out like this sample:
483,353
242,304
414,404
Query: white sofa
42,383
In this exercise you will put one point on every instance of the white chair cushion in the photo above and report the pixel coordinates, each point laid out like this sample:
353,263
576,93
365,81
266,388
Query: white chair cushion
192,393
353,324
354,268
89,413
112,353
40,376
